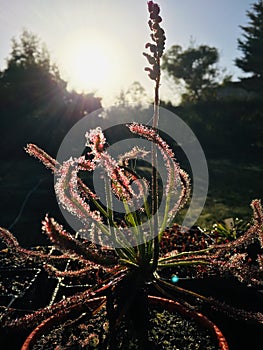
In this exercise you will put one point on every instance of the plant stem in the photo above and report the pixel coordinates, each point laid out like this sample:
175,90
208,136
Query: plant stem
154,176
156,100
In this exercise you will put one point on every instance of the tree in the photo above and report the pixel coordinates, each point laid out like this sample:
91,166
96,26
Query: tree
129,103
135,95
35,105
194,67
30,72
252,48
28,52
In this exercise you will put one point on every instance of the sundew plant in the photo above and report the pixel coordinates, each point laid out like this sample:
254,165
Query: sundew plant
135,234
126,245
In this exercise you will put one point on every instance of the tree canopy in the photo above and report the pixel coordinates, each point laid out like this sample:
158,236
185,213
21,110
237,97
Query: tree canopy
195,67
28,52
30,78
251,46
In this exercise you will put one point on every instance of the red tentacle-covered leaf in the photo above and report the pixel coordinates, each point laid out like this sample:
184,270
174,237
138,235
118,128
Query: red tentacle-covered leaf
151,135
257,211
258,219
176,176
121,179
235,257
9,240
96,141
91,271
64,241
68,193
77,301
184,193
236,313
12,243
41,155
250,236
120,182
61,307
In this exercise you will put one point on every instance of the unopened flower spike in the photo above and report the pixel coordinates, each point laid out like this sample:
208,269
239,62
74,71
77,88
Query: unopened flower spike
158,37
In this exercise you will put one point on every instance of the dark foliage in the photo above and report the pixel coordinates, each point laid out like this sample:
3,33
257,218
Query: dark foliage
225,127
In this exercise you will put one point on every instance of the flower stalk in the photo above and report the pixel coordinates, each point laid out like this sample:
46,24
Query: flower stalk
156,48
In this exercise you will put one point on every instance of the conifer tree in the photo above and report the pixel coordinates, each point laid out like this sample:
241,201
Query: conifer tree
251,46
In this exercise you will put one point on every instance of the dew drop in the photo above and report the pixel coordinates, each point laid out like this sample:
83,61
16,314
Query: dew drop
174,279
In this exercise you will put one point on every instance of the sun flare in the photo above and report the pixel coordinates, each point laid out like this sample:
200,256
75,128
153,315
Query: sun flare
92,65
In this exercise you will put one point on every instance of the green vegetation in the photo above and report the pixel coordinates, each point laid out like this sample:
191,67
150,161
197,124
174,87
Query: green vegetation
232,186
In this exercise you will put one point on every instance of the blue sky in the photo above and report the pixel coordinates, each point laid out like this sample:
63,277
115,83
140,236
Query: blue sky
119,29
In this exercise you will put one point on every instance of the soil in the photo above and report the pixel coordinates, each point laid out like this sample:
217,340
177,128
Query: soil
15,282
168,331
86,333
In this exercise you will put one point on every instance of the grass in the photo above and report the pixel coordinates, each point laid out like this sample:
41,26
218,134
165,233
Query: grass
232,186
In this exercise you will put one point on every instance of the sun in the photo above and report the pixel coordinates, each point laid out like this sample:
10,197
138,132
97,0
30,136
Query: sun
92,65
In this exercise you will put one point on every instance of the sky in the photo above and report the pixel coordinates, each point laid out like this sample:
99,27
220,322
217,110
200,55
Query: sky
98,44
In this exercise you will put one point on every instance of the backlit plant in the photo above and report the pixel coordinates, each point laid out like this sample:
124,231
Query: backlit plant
139,258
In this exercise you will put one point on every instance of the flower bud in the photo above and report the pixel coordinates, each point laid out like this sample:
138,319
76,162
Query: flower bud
152,47
150,58
158,38
150,6
156,9
150,23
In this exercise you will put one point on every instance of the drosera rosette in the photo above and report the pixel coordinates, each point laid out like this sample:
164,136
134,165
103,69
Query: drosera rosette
127,233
